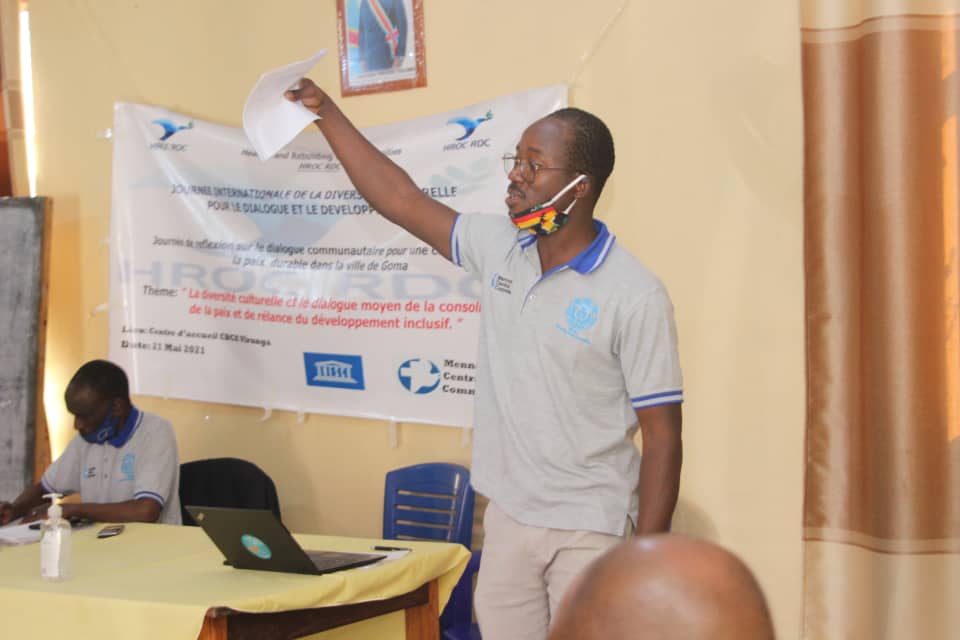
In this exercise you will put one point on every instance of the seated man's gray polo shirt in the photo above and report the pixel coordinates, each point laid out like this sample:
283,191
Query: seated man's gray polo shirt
565,359
140,462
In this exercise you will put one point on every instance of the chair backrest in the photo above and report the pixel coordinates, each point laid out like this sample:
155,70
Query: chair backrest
226,482
432,501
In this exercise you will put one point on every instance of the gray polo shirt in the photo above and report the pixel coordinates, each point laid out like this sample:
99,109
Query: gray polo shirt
565,359
139,462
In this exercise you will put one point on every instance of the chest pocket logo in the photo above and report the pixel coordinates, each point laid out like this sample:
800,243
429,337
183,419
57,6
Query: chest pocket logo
126,466
499,283
581,315
89,472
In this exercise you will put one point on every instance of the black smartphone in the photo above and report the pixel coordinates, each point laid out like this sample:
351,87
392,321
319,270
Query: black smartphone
76,522
110,530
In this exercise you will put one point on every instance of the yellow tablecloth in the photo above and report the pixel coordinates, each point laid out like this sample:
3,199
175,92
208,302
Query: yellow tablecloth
157,581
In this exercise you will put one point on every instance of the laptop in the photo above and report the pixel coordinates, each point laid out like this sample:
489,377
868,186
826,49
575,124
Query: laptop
255,539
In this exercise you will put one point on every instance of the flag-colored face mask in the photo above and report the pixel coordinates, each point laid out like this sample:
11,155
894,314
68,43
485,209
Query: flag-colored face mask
544,219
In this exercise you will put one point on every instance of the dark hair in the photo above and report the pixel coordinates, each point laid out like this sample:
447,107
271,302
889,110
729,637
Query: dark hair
592,148
106,378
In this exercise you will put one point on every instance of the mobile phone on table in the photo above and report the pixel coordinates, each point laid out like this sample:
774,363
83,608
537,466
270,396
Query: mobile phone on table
110,530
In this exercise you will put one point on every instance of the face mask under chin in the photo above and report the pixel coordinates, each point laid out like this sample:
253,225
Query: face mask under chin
103,431
544,219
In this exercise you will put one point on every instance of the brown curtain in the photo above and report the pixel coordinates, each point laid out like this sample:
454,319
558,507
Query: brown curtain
882,490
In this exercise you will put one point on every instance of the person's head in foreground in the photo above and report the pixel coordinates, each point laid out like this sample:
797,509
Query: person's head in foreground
664,587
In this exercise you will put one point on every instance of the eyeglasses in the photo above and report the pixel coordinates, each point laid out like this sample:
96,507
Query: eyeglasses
528,168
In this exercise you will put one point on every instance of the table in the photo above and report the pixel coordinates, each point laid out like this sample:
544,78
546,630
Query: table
164,581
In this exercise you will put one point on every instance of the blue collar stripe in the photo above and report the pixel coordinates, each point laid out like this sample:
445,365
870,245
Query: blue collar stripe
133,421
594,255
587,260
554,270
603,252
525,238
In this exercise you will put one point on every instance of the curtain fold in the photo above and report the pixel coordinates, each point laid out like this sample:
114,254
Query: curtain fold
882,497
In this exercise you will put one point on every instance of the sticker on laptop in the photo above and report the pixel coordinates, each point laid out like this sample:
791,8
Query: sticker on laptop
256,546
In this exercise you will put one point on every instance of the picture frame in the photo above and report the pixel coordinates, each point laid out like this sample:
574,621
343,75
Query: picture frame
381,46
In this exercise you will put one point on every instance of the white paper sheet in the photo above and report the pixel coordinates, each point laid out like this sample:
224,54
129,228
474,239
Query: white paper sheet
390,557
16,534
270,120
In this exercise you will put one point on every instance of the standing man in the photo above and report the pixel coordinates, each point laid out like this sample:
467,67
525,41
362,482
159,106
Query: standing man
382,34
122,461
577,351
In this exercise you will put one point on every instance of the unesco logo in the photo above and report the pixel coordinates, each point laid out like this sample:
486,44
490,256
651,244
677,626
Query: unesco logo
419,375
337,370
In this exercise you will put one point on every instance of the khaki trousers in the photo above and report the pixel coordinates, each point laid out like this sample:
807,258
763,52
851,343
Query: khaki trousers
524,572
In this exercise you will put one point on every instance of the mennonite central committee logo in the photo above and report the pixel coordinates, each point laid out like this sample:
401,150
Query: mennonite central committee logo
170,128
470,125
581,314
419,375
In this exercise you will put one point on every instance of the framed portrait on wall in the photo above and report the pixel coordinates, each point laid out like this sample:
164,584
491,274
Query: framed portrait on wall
381,45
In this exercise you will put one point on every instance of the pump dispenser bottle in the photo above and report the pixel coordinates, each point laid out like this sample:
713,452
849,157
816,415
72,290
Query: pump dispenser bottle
55,543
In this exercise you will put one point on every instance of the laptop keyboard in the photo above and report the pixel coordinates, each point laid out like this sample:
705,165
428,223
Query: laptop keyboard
324,560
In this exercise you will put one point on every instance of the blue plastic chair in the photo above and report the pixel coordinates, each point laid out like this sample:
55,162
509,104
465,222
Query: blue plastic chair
431,501
456,622
434,501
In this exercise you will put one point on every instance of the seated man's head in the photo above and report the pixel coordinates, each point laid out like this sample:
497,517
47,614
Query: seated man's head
665,587
98,396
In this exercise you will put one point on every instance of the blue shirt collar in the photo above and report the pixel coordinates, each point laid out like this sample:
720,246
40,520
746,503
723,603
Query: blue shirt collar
587,260
133,420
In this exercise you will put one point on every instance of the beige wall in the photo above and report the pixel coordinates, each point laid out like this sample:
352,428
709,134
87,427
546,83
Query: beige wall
704,103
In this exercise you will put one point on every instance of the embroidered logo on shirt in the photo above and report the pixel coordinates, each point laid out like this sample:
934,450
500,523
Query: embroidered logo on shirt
89,472
581,315
499,283
126,467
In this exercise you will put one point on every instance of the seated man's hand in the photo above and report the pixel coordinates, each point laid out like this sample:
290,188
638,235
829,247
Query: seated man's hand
37,513
6,513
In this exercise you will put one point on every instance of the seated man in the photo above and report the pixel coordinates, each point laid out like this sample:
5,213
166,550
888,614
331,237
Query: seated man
123,461
664,587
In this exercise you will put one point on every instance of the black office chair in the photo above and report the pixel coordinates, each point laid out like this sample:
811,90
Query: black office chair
225,482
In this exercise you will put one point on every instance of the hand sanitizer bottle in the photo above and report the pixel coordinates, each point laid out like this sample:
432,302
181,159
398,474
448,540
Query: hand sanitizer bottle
55,543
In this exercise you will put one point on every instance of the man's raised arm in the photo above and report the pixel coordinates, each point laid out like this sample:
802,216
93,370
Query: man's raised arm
384,185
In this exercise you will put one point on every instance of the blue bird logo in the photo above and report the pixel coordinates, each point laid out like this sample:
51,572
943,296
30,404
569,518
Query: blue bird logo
469,125
169,128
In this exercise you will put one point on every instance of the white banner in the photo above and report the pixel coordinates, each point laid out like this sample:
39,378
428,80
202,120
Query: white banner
274,284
